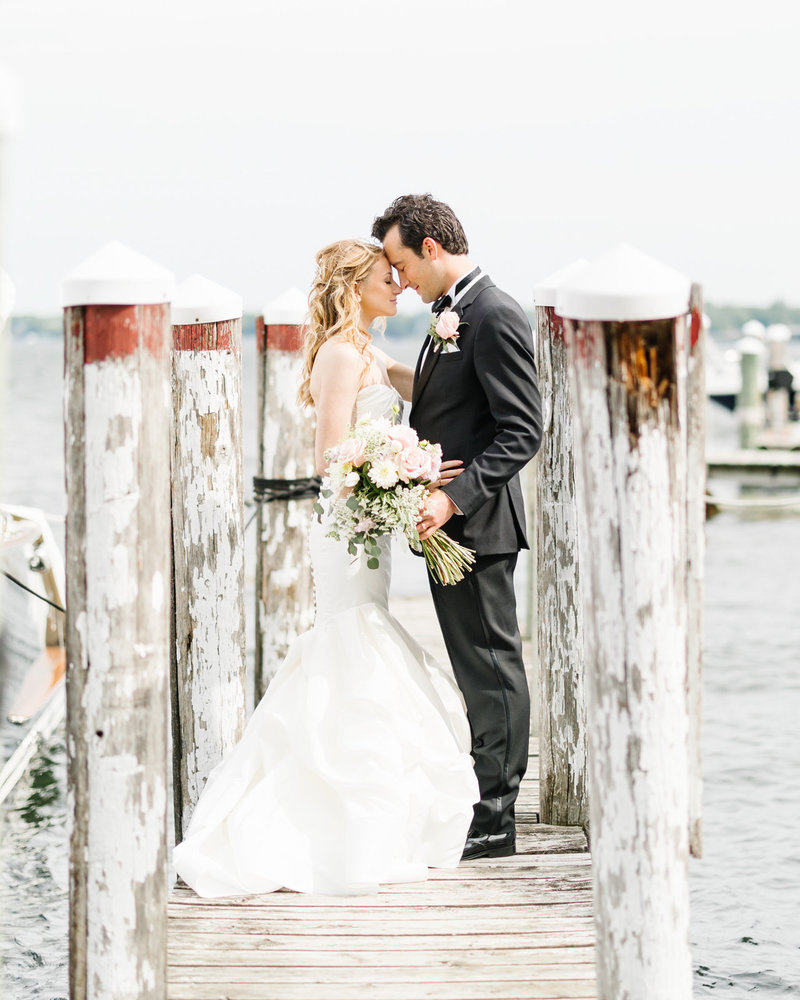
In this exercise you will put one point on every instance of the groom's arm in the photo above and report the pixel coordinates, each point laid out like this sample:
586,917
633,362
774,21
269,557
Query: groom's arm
504,364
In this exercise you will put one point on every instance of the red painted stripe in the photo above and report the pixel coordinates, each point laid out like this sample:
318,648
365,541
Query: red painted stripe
205,336
696,327
284,338
556,323
117,331
260,334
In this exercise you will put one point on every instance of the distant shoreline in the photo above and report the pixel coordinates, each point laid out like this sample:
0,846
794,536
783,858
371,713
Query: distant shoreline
724,319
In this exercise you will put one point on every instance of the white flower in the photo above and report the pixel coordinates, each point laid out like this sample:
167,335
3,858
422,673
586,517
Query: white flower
383,474
351,479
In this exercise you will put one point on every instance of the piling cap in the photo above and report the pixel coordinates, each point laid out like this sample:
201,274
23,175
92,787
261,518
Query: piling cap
624,284
198,300
289,309
117,276
750,345
544,291
753,328
8,297
778,332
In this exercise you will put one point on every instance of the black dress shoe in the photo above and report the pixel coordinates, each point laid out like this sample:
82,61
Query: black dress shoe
489,845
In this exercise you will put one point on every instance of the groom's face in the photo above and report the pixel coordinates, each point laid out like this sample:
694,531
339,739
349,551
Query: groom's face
424,274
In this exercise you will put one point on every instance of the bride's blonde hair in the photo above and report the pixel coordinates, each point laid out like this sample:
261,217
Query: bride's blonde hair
334,304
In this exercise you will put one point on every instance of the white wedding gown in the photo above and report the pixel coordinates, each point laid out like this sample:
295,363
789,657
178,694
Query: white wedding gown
354,769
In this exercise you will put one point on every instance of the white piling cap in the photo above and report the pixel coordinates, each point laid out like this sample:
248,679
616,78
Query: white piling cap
289,309
753,328
544,291
778,332
117,276
8,296
750,345
624,284
198,300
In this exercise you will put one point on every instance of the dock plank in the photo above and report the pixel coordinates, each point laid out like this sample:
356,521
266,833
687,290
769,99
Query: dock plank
438,990
232,949
516,928
357,975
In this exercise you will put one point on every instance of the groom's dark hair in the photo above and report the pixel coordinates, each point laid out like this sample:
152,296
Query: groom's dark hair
418,216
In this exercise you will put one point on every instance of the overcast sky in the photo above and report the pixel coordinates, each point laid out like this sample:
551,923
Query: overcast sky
236,137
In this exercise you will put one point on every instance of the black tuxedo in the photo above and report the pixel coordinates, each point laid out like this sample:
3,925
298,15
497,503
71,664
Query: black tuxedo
482,404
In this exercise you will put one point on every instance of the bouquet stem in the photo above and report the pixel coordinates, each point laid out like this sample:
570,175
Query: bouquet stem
447,560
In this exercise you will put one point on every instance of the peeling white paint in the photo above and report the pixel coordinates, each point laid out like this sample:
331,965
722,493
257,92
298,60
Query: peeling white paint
117,741
563,737
208,528
158,592
632,504
285,593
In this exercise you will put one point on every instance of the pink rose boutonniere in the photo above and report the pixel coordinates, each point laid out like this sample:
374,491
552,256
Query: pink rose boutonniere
443,331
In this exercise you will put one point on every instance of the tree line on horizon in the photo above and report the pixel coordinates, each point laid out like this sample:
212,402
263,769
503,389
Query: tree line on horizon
724,318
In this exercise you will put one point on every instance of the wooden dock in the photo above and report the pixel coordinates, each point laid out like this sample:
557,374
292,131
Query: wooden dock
511,928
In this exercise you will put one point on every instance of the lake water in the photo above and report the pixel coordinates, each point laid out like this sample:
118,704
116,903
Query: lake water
745,892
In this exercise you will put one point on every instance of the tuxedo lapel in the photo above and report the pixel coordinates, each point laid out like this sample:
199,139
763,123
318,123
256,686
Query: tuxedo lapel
471,294
425,370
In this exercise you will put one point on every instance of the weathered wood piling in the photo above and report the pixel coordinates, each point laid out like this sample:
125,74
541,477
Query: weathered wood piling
625,331
779,379
695,555
284,588
208,651
749,403
116,339
563,781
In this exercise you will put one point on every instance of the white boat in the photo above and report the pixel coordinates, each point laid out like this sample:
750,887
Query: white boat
32,630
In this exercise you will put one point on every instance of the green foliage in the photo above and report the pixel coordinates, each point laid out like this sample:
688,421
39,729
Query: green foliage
734,317
401,326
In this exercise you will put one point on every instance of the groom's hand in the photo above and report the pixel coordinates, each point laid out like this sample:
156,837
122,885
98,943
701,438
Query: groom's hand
439,508
448,471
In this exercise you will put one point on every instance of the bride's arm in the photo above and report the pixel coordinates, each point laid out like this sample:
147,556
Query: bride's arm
335,381
401,376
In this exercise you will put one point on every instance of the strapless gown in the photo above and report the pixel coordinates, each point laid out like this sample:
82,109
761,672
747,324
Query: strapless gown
354,769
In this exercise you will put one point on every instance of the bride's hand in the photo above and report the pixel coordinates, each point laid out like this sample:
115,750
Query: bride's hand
448,471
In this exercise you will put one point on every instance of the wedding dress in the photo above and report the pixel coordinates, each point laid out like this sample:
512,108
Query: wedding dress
354,769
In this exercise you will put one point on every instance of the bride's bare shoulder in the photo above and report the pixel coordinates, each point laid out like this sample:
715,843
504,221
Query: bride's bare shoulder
338,366
338,351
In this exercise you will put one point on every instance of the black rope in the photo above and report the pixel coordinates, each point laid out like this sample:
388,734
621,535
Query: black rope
269,490
41,597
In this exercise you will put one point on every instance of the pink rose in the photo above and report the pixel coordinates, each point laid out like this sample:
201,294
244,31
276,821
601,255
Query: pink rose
404,435
352,450
415,463
434,453
447,325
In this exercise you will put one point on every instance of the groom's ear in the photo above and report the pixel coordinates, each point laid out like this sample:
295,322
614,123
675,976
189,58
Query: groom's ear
430,248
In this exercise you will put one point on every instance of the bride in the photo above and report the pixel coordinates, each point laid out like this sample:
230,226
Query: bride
354,769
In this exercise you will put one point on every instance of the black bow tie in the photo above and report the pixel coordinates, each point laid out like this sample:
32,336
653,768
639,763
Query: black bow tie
442,303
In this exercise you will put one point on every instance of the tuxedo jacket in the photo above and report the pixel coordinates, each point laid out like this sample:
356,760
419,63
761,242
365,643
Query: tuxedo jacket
482,404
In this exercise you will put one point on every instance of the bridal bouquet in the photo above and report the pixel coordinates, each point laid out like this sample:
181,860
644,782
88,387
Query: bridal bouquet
378,479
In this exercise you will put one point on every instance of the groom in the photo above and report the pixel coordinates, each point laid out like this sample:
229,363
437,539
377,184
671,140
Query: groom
481,402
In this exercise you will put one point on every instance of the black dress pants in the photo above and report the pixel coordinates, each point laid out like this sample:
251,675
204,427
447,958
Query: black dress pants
478,619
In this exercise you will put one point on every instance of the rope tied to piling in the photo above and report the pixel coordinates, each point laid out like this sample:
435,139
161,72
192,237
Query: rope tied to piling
34,593
270,490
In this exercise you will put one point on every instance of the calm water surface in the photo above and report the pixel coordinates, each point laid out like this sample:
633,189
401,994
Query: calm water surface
745,892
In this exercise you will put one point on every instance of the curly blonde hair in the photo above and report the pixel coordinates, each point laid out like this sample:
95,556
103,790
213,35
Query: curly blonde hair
334,305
